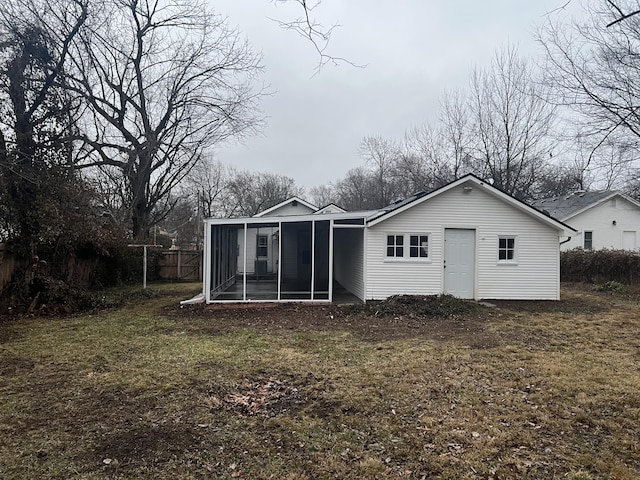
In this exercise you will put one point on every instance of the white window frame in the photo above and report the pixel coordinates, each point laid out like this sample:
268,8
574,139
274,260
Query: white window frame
394,246
506,249
420,247
584,240
406,247
260,236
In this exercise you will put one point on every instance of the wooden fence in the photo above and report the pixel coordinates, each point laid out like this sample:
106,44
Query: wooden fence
181,265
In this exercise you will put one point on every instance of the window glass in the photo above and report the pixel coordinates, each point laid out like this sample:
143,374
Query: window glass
419,246
263,246
506,248
395,245
588,240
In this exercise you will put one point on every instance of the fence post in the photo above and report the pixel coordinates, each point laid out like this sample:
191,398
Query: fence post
144,262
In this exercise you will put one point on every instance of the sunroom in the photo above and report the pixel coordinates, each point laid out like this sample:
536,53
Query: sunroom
313,257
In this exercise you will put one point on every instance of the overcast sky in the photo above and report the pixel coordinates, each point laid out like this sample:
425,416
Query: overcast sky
413,51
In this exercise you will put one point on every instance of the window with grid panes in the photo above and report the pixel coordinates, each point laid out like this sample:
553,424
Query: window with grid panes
395,246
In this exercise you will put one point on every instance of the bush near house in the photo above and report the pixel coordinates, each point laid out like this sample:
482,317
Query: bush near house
68,280
600,266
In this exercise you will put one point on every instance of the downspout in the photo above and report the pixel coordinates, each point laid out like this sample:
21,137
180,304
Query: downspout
565,241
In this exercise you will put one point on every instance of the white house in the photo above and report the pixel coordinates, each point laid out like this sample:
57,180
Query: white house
604,219
467,239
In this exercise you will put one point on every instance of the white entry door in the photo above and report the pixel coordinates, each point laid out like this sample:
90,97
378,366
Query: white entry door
459,262
629,240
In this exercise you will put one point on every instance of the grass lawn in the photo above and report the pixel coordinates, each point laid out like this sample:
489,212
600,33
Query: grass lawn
151,390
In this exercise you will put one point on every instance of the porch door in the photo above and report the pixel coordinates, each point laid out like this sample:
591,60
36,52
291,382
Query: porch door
459,262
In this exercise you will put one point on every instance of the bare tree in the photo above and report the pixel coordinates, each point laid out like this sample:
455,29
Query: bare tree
357,190
322,195
455,134
210,183
512,121
623,15
318,35
381,155
593,69
253,192
164,80
37,112
424,163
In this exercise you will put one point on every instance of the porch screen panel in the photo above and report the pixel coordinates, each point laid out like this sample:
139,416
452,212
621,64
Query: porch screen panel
321,259
296,260
224,253
262,261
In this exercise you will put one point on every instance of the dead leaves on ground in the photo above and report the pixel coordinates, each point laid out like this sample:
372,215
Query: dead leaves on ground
265,397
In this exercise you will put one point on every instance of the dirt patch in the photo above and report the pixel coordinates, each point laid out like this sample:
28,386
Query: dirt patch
439,318
14,366
143,446
266,397
398,317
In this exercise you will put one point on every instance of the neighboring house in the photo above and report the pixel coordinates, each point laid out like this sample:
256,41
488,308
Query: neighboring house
604,219
468,239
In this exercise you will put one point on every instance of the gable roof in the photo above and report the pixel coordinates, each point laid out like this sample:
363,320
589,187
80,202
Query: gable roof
402,205
288,201
567,206
331,208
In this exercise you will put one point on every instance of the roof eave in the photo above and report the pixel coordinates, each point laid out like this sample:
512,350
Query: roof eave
551,221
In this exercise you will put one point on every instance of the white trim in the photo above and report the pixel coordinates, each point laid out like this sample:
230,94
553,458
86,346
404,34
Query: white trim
365,255
244,267
313,257
293,218
489,189
507,261
331,260
406,247
206,270
584,233
289,300
279,263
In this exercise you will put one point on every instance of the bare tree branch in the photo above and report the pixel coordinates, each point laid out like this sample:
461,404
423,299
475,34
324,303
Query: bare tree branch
315,33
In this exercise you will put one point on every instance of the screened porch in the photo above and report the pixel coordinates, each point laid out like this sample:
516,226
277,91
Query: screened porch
276,260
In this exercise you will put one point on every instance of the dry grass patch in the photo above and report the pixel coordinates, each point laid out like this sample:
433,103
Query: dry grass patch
523,390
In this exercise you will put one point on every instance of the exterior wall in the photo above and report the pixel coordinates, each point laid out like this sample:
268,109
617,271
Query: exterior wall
348,259
252,240
599,220
534,273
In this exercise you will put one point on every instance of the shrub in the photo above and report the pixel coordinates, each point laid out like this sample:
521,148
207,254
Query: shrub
425,306
600,266
611,286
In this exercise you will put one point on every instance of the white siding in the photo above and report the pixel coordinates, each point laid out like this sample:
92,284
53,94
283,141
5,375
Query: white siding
252,245
533,275
348,258
599,220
